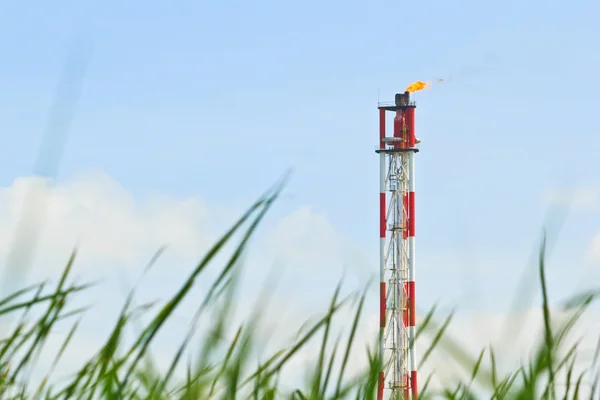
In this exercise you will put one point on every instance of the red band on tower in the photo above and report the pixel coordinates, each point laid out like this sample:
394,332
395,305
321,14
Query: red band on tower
413,384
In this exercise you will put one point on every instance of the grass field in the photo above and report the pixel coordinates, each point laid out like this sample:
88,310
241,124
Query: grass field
225,367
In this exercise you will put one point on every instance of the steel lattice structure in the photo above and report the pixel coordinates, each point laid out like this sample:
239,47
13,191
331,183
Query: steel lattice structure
398,372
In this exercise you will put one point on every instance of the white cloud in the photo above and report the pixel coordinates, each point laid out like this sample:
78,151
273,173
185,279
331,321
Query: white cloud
104,218
587,198
307,243
594,249
581,198
306,237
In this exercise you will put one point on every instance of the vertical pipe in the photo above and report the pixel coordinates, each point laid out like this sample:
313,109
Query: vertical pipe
398,129
412,259
397,282
410,122
382,229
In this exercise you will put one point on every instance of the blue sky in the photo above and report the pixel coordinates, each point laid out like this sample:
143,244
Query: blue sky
217,99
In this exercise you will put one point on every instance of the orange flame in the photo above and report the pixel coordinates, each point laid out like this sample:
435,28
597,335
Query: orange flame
418,85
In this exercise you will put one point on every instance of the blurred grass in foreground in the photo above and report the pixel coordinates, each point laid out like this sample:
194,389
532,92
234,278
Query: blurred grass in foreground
225,368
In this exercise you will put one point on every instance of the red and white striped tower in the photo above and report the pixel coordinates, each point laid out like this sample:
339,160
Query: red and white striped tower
398,368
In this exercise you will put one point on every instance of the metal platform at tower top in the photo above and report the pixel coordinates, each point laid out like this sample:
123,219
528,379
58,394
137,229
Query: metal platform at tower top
402,102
